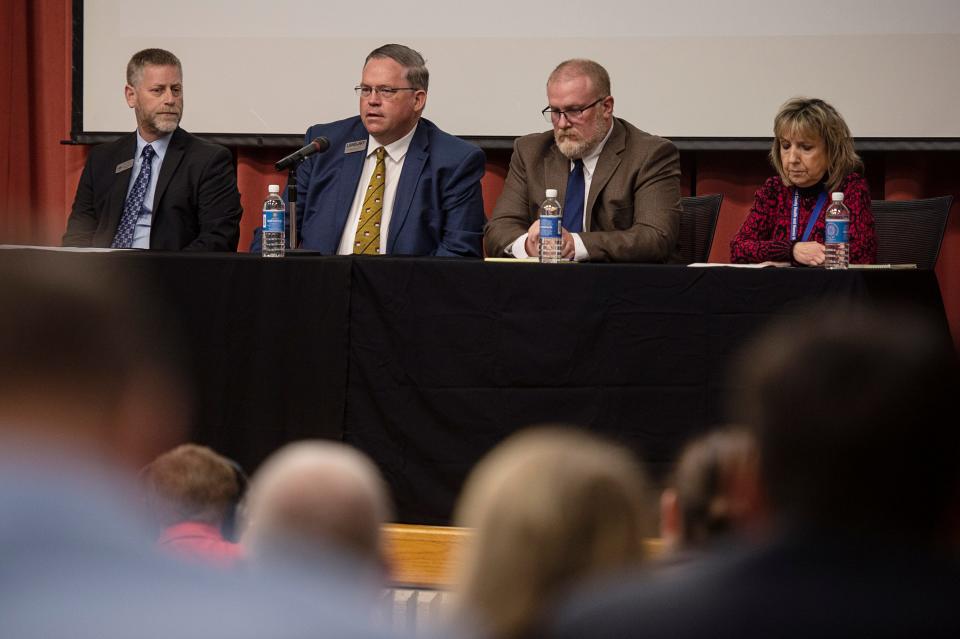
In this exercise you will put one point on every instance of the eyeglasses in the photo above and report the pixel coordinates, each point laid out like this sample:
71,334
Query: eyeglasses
552,116
387,93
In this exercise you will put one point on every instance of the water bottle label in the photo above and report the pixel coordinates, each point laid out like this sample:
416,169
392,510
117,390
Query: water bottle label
273,221
837,231
550,227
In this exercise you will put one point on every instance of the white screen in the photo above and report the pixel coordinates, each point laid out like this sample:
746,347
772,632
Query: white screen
679,69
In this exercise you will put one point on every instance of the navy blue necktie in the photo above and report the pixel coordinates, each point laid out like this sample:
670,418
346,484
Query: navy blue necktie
134,204
573,200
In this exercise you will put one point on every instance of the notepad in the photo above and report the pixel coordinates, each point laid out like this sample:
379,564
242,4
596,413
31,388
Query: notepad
758,265
871,267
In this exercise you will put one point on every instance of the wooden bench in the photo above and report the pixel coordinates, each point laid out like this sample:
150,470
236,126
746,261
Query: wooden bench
423,556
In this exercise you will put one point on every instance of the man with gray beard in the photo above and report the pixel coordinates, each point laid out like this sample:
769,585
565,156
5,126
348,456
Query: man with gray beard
159,187
620,186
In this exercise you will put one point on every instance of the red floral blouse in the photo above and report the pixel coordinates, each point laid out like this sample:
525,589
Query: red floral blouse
765,234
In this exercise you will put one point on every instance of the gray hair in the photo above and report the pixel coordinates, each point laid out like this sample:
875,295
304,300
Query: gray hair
155,57
410,60
318,493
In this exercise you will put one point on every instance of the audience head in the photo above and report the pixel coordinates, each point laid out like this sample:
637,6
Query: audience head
811,142
317,495
579,106
154,91
392,91
851,410
712,491
191,483
549,507
83,370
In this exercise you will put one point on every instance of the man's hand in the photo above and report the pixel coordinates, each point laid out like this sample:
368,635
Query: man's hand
809,253
532,245
567,247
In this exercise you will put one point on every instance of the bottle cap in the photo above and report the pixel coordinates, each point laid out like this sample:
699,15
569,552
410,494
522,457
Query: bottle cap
275,188
837,197
551,193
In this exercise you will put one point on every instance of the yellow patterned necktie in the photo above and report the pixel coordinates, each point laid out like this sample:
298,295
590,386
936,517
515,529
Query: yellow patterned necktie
367,240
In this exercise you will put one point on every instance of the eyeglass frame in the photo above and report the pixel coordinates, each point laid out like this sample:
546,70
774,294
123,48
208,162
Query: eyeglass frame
387,93
549,113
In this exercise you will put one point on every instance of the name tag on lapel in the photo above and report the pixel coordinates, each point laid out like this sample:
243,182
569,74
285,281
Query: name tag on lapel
353,147
123,166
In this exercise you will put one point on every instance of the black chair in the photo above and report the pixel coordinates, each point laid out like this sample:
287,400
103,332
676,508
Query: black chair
910,231
698,221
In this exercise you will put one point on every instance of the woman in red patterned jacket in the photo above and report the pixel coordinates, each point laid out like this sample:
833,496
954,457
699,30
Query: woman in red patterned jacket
814,156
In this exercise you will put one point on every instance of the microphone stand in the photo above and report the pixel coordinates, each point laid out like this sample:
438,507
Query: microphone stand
292,204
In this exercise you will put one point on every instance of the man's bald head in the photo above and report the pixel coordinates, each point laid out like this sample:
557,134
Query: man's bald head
318,492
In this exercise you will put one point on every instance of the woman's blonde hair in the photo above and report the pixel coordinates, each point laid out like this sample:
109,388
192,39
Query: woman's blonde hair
548,508
814,117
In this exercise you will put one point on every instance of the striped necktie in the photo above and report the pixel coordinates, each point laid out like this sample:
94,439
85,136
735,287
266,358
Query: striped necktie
367,239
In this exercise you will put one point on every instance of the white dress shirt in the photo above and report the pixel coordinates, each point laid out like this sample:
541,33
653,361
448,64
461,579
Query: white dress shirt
518,248
141,233
393,165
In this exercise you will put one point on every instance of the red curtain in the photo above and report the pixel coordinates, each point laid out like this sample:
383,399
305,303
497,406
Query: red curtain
37,174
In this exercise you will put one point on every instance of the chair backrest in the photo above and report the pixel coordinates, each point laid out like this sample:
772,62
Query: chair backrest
698,221
910,231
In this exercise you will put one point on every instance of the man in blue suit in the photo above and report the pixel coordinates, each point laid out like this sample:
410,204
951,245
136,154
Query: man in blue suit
391,182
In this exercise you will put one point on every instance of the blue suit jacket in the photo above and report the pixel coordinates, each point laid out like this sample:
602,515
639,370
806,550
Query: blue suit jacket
438,208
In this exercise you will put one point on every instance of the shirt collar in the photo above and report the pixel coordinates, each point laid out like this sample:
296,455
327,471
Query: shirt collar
395,150
159,145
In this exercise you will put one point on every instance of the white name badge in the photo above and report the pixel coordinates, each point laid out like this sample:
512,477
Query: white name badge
356,145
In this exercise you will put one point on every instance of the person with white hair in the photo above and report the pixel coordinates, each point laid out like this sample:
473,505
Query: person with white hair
318,503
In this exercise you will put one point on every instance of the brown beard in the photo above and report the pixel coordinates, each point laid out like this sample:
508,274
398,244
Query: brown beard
575,149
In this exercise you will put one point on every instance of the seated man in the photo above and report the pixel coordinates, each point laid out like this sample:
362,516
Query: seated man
620,187
392,182
160,187
190,491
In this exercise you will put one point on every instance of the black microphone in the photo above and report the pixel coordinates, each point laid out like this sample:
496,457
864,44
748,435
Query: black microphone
318,145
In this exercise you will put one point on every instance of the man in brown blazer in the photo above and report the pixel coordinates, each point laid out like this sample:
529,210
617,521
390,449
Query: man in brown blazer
620,186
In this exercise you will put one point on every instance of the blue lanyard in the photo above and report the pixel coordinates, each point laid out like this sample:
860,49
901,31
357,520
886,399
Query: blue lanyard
795,215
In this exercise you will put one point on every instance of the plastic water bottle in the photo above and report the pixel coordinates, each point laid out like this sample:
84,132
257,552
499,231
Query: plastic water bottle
274,241
837,245
551,237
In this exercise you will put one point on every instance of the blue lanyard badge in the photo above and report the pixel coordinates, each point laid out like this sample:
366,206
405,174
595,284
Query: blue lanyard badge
795,215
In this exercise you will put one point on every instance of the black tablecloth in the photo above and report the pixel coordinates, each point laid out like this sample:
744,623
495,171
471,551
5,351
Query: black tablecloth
425,364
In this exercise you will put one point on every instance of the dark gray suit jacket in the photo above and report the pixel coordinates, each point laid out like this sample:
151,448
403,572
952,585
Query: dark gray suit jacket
196,205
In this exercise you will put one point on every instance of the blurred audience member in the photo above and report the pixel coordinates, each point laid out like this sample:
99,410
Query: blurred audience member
190,491
88,395
859,459
712,493
319,505
549,508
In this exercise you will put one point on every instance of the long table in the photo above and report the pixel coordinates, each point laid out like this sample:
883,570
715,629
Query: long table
425,364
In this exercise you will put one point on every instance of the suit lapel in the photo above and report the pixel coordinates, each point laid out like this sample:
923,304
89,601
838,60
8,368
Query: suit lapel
118,194
413,164
606,165
171,160
556,170
350,170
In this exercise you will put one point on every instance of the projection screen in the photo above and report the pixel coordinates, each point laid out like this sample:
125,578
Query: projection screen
680,69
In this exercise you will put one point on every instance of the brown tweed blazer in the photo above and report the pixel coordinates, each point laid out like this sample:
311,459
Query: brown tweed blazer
633,204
